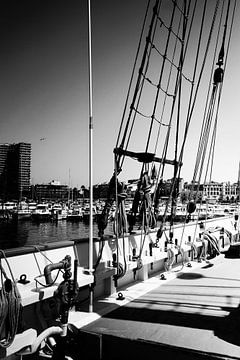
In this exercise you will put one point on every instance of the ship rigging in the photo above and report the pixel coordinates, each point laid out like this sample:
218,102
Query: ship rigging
175,67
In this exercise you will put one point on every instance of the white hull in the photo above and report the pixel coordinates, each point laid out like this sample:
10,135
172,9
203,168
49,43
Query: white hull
28,261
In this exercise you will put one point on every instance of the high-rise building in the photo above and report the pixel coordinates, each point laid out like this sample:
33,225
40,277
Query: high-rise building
3,169
15,170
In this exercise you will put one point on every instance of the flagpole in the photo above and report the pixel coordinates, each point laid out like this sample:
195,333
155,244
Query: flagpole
90,154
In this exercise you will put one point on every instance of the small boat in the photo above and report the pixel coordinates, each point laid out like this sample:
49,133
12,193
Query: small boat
75,214
32,206
22,212
59,212
41,213
10,205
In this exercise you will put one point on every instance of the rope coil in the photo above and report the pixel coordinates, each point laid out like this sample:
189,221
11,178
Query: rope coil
10,306
170,259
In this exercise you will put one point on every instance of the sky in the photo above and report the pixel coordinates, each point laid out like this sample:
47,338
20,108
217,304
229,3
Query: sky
44,87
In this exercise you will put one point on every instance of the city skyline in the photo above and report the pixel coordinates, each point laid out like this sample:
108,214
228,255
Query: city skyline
21,154
44,87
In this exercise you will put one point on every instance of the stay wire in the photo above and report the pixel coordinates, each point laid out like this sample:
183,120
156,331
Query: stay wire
133,71
178,7
176,87
140,82
166,92
197,57
190,113
161,166
209,156
223,41
160,78
143,72
35,247
194,99
191,107
181,60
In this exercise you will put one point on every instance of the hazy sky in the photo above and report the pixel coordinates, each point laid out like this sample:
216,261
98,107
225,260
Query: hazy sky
44,86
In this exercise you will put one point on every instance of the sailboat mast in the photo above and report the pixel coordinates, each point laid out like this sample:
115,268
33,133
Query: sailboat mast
238,185
90,151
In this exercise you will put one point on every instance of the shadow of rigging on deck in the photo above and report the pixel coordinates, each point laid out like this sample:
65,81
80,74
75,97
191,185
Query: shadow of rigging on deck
229,328
183,306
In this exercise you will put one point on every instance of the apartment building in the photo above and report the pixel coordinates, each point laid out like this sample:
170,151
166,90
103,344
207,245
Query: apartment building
15,170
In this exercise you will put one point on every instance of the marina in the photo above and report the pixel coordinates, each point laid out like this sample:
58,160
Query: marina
151,272
13,235
29,231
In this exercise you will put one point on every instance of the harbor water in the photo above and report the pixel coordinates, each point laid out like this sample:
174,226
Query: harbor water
23,233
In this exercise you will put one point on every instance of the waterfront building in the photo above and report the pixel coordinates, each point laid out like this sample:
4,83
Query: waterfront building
212,191
230,192
225,191
15,170
52,191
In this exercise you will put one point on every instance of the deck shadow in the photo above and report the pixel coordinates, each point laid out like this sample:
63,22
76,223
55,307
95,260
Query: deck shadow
229,328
